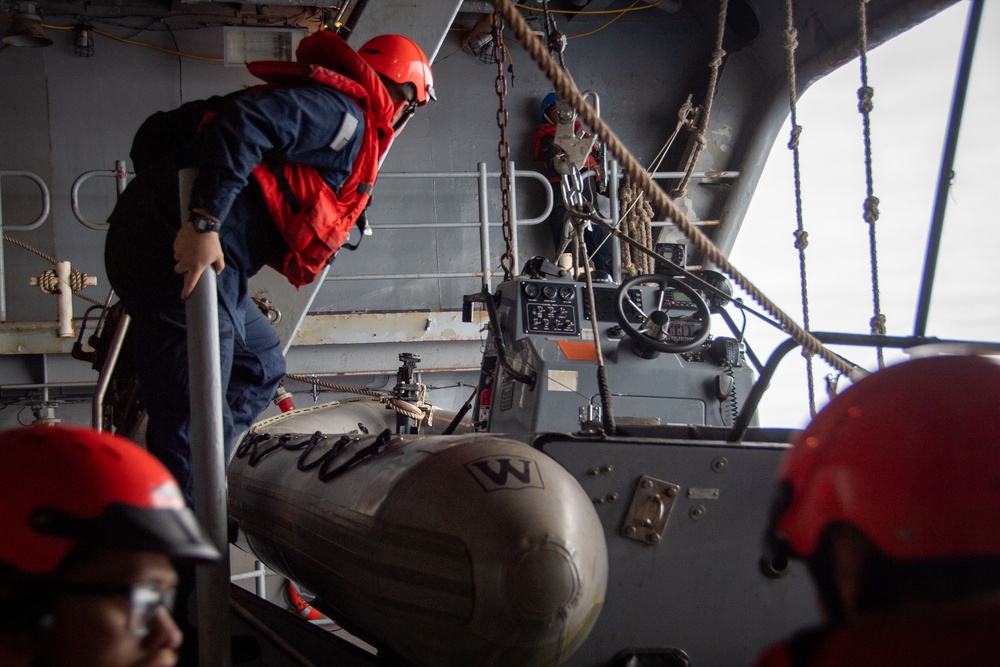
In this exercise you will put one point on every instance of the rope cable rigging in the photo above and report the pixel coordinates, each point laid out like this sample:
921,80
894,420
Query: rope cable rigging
865,107
565,87
800,233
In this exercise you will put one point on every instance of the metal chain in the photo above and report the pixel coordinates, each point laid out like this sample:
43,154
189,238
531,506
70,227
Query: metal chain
801,236
865,106
503,150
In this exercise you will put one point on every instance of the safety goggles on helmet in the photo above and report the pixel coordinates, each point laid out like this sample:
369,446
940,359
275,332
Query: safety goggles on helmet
144,599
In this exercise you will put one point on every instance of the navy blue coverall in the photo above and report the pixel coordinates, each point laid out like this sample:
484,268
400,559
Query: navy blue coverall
225,137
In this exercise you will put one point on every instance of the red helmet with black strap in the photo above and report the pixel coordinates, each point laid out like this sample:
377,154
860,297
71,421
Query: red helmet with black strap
910,456
399,59
63,486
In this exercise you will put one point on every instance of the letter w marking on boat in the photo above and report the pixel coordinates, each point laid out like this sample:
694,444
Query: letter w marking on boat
505,472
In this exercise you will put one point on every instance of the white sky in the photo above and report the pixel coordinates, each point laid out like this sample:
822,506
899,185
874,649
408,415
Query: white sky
913,78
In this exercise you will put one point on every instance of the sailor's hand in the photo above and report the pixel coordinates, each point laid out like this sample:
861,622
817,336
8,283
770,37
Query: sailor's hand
195,252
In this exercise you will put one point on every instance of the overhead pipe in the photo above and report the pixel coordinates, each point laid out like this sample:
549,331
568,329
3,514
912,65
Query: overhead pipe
352,20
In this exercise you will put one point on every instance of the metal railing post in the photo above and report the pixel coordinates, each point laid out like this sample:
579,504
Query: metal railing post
207,456
615,211
104,379
513,216
484,226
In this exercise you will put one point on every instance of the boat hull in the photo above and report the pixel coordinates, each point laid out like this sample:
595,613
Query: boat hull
441,550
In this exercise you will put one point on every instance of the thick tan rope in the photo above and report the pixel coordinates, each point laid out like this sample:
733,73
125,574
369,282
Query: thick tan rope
399,405
76,278
865,106
801,235
565,87
636,223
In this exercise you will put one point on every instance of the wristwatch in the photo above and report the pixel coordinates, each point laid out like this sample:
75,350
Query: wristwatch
204,224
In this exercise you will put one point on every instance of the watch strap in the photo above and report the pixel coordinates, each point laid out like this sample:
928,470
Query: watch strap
204,224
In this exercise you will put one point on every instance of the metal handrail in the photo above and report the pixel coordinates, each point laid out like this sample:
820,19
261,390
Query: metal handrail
909,343
481,175
46,205
46,202
121,180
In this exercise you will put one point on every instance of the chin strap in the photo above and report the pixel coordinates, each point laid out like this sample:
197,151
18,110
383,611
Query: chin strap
410,110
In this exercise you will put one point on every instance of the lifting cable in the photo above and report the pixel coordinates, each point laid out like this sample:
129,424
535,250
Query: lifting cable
49,281
565,87
865,106
801,235
402,407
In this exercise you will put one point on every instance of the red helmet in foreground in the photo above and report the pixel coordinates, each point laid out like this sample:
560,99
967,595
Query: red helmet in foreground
401,60
61,487
909,455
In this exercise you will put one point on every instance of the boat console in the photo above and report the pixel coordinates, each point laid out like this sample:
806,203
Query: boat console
661,362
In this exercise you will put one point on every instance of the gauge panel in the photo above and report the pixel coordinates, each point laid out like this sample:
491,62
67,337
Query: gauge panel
550,308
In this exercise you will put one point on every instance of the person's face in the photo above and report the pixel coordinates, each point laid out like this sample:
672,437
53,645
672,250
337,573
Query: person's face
91,629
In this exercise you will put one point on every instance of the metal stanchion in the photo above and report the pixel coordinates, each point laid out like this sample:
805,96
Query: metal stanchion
207,458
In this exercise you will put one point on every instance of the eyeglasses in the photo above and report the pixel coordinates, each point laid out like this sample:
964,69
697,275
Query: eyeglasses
143,601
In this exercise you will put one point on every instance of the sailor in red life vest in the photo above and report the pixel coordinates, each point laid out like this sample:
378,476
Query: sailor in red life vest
285,170
891,497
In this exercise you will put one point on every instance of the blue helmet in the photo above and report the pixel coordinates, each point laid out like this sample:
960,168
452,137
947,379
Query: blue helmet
547,102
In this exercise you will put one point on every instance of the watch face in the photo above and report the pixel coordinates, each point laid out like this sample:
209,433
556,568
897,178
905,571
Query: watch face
204,224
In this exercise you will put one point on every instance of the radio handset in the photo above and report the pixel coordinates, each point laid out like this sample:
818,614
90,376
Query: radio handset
725,351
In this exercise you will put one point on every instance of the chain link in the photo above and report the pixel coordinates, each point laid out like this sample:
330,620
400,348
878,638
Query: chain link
503,150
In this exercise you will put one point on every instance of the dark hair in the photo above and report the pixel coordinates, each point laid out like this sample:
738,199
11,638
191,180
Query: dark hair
25,599
888,582
401,92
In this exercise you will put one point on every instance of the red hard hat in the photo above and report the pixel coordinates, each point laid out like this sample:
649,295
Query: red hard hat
63,486
909,455
401,60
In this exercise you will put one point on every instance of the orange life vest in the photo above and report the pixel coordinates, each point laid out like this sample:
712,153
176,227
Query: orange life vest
313,219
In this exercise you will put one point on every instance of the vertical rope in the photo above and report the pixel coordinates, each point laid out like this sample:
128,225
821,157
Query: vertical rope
865,106
714,65
801,236
636,223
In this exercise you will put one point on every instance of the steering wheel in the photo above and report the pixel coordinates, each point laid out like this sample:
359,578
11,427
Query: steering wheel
652,334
